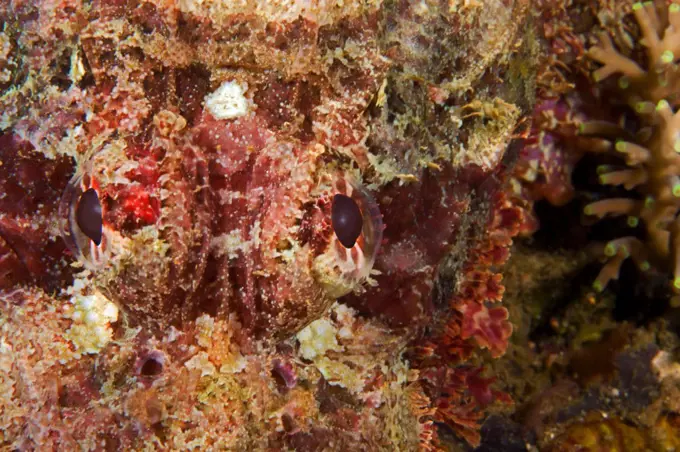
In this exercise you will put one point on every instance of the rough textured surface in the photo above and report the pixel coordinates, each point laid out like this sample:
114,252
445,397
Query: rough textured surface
220,309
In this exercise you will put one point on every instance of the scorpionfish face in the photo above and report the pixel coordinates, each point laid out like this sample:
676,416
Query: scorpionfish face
169,234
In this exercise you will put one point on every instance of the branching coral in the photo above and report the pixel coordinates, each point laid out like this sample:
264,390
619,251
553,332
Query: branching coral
650,159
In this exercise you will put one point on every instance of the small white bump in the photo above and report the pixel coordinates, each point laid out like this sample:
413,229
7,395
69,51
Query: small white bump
228,101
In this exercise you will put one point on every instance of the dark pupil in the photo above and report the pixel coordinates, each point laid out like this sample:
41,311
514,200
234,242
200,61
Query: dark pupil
89,215
346,219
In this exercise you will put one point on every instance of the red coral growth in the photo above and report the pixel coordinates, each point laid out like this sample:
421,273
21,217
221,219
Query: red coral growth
550,152
562,45
481,283
459,396
458,393
456,405
481,389
547,160
490,327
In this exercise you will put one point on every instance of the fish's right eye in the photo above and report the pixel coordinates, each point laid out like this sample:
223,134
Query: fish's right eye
346,219
88,215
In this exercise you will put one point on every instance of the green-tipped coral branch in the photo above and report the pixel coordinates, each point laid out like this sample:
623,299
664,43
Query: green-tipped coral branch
651,153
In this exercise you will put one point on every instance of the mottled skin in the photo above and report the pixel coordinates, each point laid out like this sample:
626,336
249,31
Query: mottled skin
241,219
227,221
31,186
424,221
242,216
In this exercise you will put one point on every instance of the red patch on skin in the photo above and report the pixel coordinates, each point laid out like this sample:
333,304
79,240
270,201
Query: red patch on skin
146,173
141,206
128,207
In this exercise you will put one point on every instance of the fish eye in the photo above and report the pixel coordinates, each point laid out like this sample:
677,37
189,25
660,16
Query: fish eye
82,223
346,220
111,197
88,215
350,241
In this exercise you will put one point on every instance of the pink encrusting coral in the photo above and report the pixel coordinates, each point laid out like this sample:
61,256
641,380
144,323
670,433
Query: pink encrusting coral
250,225
648,165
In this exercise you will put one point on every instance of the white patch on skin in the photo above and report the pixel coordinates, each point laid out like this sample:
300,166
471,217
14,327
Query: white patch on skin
91,315
77,71
228,101
201,362
317,338
325,335
232,244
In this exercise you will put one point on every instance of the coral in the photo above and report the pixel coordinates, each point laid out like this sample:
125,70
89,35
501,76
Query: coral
582,379
254,225
622,117
547,159
648,162
551,149
667,430
481,284
459,392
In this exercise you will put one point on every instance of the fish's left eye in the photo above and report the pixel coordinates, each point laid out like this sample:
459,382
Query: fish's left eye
346,220
89,215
